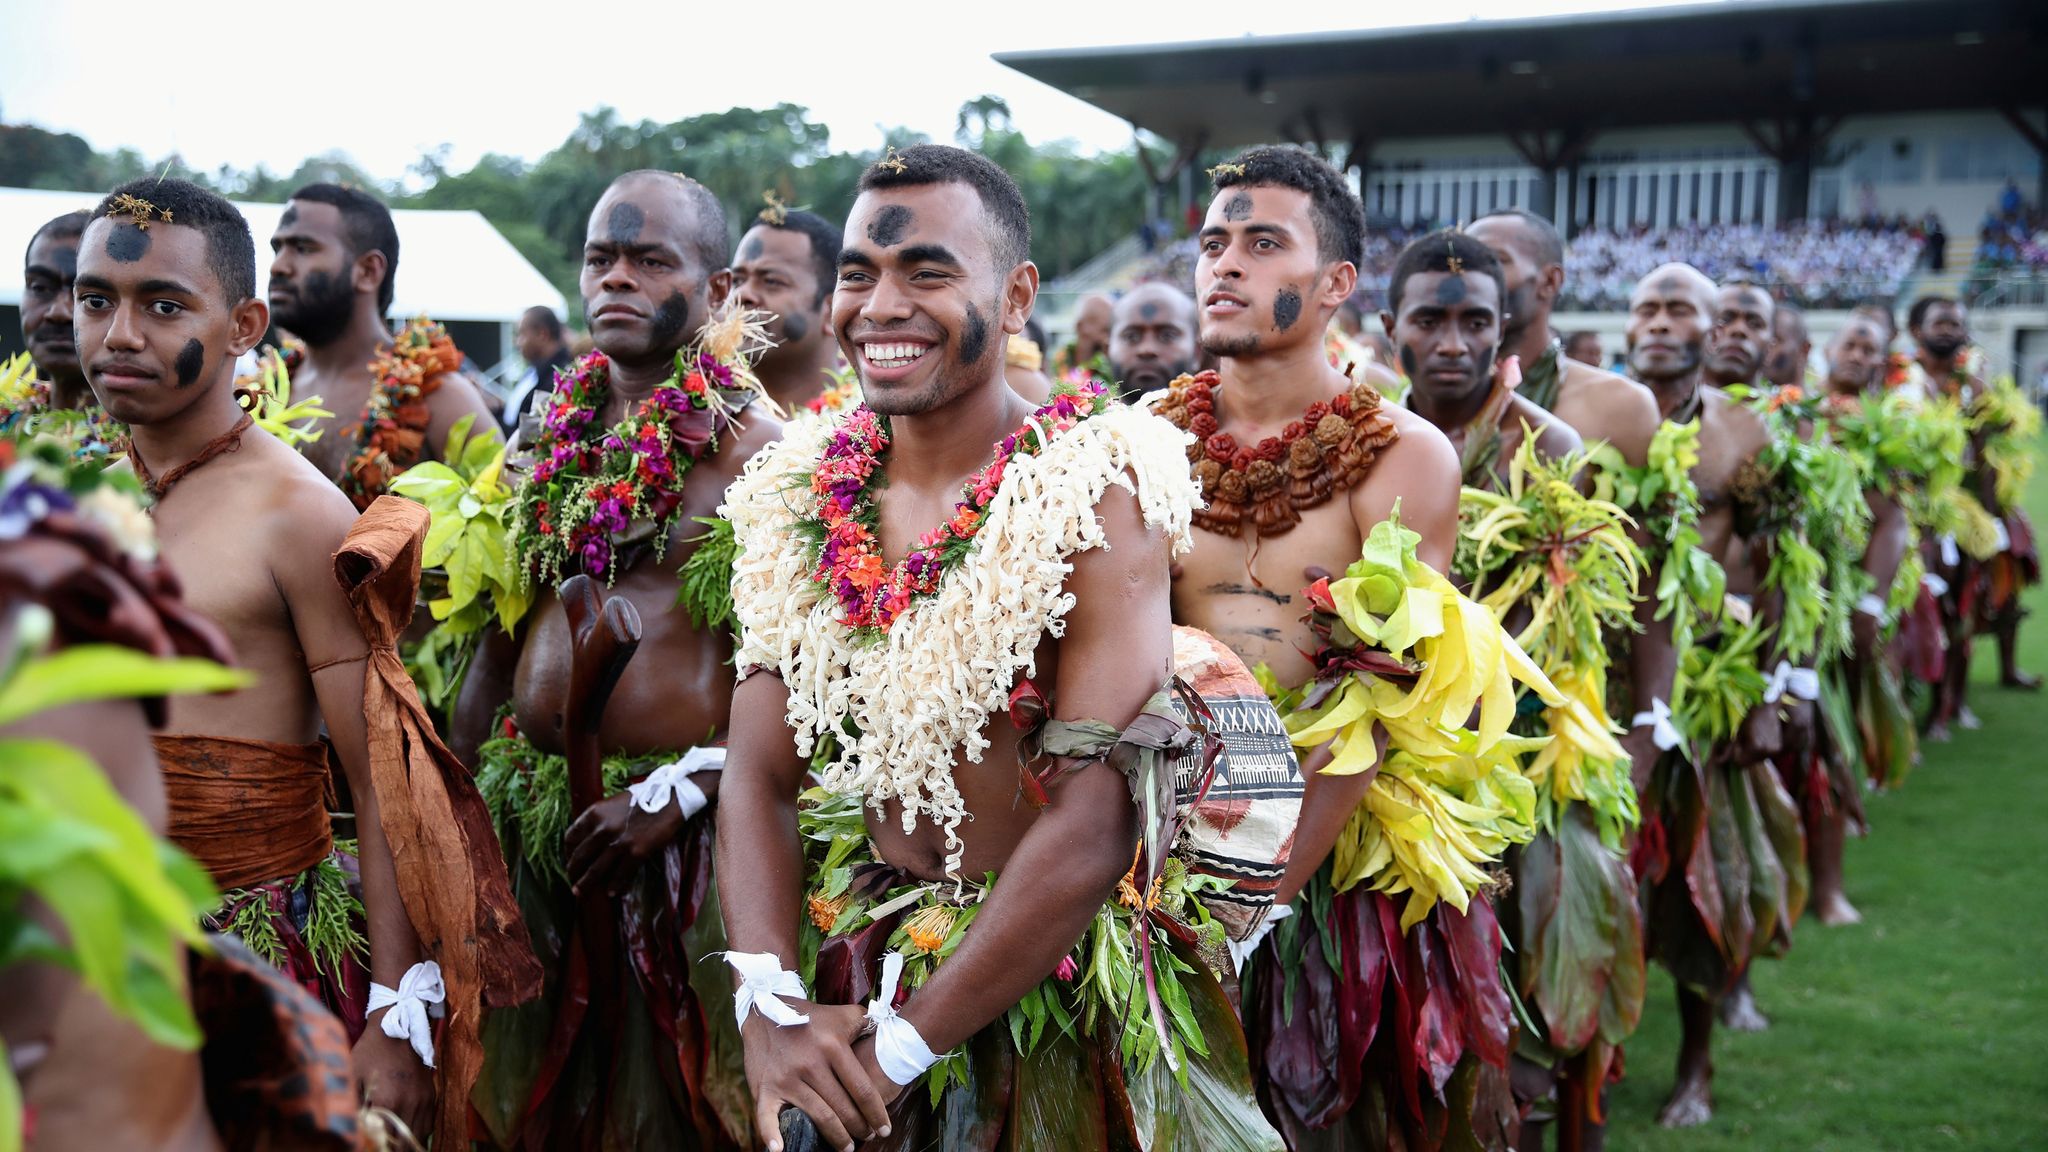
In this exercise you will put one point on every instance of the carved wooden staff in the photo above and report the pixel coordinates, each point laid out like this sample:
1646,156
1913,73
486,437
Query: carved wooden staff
604,634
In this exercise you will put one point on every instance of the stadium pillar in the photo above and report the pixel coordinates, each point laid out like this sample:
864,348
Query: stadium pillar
2036,139
1795,143
1549,154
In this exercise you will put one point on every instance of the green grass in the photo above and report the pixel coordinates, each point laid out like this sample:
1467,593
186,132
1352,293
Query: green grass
1926,1026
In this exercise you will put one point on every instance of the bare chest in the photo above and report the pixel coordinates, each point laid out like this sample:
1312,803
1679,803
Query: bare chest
344,395
1246,591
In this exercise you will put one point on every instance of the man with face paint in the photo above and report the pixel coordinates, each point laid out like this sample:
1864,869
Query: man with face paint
655,285
786,267
165,304
1152,338
1741,339
1084,505
1445,321
1671,323
1785,366
333,270
1301,465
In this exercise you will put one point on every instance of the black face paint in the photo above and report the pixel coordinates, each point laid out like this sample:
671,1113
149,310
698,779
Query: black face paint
794,328
65,260
127,243
889,225
974,338
1451,290
1484,366
1286,309
290,217
624,222
671,320
1149,311
751,250
191,359
1228,588
1238,207
1409,367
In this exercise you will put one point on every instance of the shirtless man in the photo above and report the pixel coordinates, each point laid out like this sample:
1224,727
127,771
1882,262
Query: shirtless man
1671,317
785,267
165,304
1091,337
933,274
1446,329
48,269
654,272
1741,340
333,269
1152,338
1785,362
1597,404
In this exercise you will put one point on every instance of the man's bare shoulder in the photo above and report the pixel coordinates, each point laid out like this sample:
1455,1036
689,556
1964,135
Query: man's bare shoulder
301,510
1554,437
755,428
1737,421
1420,473
1601,405
1422,451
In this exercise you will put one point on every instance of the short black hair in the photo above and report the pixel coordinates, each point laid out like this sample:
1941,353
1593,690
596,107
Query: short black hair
708,239
545,317
922,164
1339,217
1434,253
1879,308
1549,245
230,250
1917,314
1580,335
1790,311
825,238
367,224
69,226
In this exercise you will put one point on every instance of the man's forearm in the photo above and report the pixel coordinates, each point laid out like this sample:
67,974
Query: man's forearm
760,866
1062,872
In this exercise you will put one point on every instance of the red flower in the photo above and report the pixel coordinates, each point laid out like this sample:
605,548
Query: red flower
1270,449
1294,431
1203,426
1318,596
1221,447
1315,414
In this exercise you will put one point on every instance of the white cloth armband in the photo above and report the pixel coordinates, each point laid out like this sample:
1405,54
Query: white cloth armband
763,980
1663,733
1872,605
1950,554
899,1049
407,1019
1242,951
2001,535
671,782
1935,585
1799,683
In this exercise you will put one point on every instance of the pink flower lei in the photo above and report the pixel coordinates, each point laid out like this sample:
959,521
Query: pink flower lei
843,525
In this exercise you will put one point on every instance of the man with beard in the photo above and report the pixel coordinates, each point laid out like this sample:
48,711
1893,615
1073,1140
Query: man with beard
785,267
1785,364
1741,339
333,269
49,267
1052,688
669,384
1445,293
265,548
1708,777
1152,338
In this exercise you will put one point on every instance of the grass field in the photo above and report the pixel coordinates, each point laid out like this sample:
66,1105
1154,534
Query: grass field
1926,1026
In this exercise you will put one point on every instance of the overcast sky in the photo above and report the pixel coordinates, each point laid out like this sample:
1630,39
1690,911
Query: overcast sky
238,82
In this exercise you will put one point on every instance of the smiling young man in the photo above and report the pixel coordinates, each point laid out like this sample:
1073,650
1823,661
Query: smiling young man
637,442
333,270
1152,338
786,267
987,640
165,305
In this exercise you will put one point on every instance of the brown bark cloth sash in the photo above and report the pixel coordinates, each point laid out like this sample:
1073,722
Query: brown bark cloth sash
249,810
451,873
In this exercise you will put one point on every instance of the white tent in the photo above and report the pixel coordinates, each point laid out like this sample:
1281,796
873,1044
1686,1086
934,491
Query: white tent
452,266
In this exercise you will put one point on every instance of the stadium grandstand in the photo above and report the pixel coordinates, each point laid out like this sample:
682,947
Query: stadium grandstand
1833,151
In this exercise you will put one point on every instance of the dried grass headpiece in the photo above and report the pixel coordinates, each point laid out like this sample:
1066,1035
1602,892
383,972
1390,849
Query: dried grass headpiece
139,212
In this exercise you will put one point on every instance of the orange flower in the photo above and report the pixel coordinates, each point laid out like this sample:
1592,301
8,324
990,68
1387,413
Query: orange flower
825,912
929,927
963,521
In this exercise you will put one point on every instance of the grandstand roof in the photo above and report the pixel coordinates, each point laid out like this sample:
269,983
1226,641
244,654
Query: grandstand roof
1696,63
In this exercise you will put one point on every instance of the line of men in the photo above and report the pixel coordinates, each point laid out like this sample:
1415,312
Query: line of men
620,1036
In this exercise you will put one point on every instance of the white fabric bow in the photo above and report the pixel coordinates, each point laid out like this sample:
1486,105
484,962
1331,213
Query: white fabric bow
407,1020
1935,585
671,782
1663,733
762,980
1950,554
899,1048
1802,683
1872,605
1241,951
2001,536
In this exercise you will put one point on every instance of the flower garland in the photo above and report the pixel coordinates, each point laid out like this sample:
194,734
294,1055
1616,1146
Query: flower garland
957,657
842,392
843,525
589,486
87,433
1265,487
393,428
